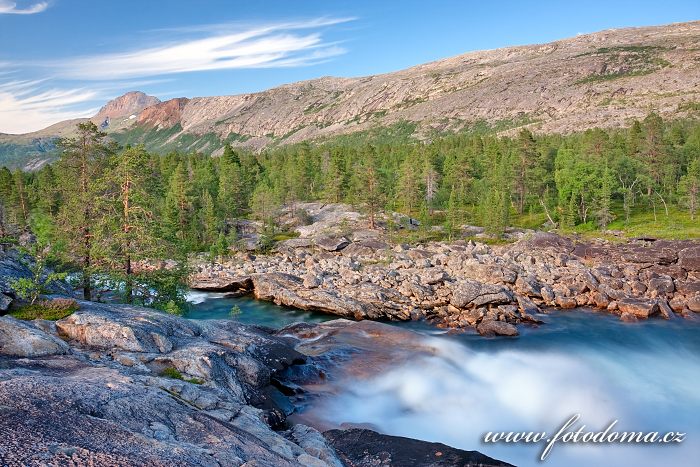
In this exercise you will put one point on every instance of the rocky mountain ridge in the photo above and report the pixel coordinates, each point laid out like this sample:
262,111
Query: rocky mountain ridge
602,79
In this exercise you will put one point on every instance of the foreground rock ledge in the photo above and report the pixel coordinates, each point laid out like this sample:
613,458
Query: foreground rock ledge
89,390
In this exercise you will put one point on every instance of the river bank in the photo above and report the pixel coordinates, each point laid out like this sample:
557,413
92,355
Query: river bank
336,266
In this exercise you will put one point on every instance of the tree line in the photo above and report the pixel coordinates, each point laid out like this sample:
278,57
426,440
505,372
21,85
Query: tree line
108,209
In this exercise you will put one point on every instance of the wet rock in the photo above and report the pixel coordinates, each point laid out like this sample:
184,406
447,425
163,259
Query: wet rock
22,339
527,306
640,308
565,302
490,327
665,310
364,448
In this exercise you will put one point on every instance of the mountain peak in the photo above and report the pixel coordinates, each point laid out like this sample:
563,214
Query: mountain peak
126,105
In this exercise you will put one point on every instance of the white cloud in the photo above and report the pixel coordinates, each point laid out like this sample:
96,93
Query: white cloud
26,107
276,45
30,105
10,8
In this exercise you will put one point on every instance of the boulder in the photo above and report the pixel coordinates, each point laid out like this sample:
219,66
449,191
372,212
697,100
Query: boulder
665,310
332,243
490,327
220,283
693,303
5,302
470,292
653,253
362,447
22,339
689,258
638,307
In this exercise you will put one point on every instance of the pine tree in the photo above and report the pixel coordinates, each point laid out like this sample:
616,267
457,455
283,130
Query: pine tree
20,199
127,230
604,213
336,178
177,211
264,205
209,219
368,184
430,182
690,187
231,192
526,156
82,162
409,191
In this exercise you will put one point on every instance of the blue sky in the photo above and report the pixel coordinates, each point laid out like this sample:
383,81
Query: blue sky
64,58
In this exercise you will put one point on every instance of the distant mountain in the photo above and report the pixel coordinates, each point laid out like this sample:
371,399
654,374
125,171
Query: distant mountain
602,79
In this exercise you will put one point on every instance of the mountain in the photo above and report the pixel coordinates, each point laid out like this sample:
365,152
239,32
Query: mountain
602,79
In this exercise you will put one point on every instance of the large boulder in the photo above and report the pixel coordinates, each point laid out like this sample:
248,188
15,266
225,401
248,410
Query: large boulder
331,243
22,339
640,308
468,292
689,258
5,302
490,327
362,447
220,283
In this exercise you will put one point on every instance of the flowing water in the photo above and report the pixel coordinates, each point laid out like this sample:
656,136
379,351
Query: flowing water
646,375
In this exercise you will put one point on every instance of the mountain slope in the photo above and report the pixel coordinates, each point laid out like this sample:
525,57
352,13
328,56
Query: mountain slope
600,79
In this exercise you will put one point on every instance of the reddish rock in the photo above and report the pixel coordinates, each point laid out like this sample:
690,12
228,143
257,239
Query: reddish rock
693,303
565,302
689,258
638,307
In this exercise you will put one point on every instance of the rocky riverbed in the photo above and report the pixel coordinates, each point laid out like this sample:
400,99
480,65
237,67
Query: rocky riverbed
356,273
123,385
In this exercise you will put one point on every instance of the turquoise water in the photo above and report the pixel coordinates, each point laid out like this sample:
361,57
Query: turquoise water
211,305
646,375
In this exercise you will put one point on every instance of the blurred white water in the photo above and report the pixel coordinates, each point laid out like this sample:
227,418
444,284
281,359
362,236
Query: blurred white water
456,394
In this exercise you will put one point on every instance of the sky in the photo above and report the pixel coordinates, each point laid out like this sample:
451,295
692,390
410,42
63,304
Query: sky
62,59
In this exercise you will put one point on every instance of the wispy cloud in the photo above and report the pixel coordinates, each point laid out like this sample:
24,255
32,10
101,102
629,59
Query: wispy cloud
10,8
275,45
76,87
26,106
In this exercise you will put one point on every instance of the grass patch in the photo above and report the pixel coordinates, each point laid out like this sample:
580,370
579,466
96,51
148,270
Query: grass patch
52,310
282,236
173,373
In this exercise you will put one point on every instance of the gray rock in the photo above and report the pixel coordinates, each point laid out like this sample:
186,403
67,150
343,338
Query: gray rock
470,292
490,327
22,339
5,302
364,448
332,243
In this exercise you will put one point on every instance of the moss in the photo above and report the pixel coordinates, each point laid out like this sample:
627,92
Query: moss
51,310
173,373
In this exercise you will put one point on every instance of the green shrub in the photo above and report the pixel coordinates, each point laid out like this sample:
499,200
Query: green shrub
52,310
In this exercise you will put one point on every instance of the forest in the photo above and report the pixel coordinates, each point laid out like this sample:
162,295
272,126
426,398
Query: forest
101,210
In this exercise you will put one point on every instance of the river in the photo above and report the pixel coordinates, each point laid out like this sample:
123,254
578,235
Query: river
646,375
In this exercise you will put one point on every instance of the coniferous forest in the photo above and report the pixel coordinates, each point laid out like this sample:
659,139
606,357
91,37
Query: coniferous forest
104,208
